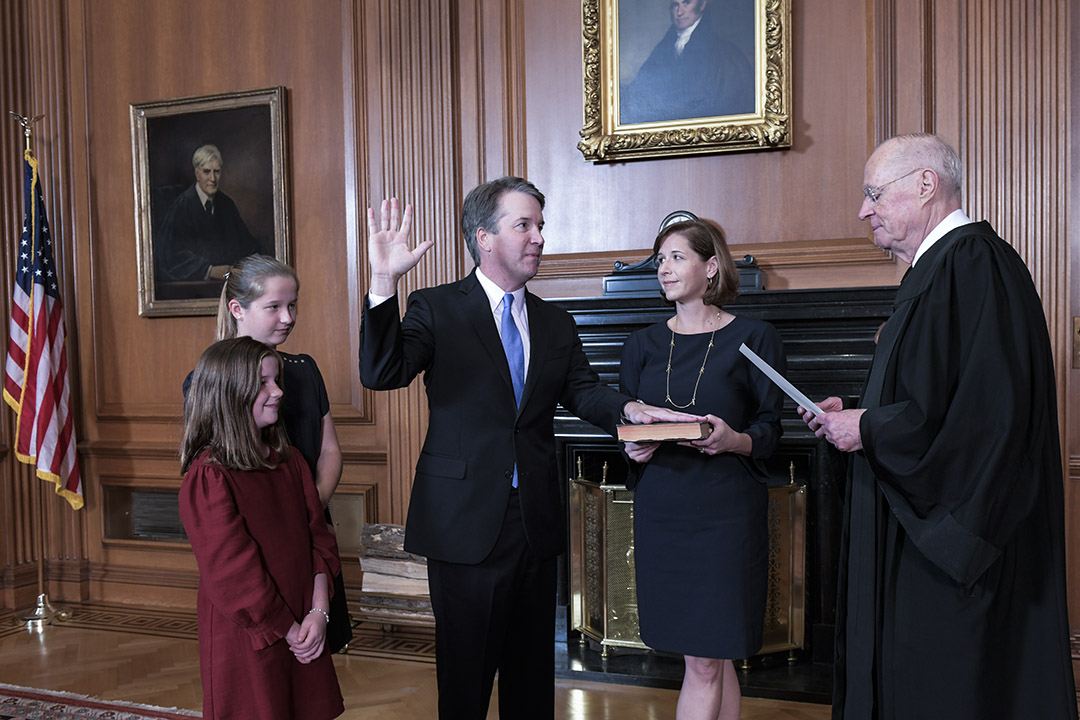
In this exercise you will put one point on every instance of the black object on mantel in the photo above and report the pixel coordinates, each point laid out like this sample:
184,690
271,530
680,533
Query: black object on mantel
828,339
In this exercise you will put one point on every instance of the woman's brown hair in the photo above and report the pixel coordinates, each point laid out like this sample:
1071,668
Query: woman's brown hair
707,241
218,414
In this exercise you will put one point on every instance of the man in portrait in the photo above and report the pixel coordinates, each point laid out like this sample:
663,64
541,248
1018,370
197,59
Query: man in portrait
694,71
202,234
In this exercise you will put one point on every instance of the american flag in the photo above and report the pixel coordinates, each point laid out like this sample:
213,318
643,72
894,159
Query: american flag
36,376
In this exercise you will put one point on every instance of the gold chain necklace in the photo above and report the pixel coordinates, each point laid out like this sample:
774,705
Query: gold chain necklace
671,350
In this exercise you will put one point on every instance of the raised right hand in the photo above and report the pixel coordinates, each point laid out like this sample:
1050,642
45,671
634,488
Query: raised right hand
389,253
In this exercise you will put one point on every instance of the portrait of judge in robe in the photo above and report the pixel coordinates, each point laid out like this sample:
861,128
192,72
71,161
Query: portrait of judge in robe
211,198
203,233
701,62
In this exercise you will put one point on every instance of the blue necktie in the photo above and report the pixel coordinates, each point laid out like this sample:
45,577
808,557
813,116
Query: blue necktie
515,356
515,352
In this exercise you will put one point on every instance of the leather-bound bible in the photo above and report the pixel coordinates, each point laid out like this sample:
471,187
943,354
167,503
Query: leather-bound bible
654,432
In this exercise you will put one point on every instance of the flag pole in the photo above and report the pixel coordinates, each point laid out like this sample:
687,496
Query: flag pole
44,613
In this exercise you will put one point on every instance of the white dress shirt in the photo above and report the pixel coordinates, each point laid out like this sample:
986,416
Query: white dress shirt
952,221
683,37
517,311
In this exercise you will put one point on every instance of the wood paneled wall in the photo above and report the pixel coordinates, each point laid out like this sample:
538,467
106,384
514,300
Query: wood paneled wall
1068,194
423,100
1015,102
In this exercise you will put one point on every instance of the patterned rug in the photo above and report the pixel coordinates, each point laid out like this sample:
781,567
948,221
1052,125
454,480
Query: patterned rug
19,703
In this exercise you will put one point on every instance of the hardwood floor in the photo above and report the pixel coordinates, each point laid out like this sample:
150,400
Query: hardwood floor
158,663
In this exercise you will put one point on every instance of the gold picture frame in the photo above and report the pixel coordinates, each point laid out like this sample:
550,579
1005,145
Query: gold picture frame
185,244
639,104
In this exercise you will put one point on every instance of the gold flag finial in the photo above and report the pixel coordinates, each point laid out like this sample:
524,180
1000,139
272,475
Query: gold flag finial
27,124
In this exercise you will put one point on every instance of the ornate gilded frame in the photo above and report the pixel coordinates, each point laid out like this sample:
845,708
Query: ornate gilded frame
249,129
604,139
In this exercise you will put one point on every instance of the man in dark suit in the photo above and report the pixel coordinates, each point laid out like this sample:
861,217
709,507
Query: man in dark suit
485,507
203,233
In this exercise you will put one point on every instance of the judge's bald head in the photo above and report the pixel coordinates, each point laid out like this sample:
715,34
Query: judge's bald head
910,184
923,150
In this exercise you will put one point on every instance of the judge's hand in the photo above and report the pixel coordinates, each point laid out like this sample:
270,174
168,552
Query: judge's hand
841,428
639,413
307,643
831,404
722,439
389,253
640,452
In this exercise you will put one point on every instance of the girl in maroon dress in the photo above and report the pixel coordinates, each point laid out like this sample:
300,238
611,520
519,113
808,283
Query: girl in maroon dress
253,516
259,300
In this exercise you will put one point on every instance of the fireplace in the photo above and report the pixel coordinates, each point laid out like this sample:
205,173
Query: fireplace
828,338
603,600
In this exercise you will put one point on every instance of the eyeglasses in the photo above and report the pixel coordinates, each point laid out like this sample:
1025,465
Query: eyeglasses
873,194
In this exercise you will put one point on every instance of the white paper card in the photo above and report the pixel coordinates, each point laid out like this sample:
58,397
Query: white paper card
780,380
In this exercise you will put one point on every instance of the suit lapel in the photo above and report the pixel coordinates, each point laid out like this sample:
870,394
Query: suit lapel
475,303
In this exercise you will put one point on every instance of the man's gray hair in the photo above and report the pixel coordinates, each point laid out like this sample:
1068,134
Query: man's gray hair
481,208
932,151
204,155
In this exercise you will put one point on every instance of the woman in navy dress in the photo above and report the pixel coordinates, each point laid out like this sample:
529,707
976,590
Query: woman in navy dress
700,507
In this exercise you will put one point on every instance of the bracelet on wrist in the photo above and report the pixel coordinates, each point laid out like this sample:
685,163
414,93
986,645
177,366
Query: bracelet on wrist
320,610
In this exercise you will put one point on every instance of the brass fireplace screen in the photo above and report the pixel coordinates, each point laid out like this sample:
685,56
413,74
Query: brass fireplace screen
603,602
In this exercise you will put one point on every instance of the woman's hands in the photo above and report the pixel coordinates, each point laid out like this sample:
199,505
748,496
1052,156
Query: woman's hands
640,452
722,439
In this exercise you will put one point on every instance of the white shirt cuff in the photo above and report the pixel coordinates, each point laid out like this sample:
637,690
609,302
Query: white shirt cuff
374,300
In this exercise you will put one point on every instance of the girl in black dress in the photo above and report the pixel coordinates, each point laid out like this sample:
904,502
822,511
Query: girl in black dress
700,508
259,301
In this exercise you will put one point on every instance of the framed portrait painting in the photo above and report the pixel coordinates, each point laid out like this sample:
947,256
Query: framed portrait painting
210,189
666,78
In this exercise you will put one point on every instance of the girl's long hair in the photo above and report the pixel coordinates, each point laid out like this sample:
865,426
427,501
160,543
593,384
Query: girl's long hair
218,414
246,283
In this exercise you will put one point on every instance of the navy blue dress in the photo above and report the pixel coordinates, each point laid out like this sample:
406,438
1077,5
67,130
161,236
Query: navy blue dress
700,521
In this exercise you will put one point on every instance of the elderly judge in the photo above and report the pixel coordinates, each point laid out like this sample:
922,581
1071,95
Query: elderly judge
952,576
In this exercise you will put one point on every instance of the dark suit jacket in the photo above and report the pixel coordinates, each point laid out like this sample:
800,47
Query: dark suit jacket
475,433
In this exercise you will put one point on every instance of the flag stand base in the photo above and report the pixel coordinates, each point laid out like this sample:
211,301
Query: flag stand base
44,614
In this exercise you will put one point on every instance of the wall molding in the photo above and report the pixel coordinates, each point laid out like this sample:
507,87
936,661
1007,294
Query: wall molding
773,256
156,576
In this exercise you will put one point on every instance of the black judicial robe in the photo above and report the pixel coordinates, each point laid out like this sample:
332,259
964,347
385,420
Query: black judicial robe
192,240
952,596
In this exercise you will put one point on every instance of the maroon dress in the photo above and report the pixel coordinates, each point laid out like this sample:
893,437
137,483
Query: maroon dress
259,538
